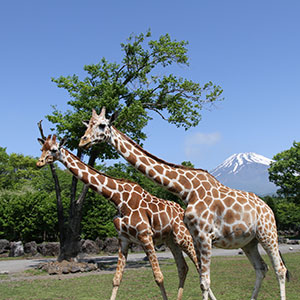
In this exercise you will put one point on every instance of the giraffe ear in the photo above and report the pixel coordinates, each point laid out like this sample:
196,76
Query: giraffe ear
103,111
94,113
113,117
85,123
41,141
62,141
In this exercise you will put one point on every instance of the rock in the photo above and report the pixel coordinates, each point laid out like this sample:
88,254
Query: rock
90,247
4,272
293,242
30,248
100,243
66,267
75,269
161,247
48,249
136,248
4,246
282,240
16,249
111,245
65,270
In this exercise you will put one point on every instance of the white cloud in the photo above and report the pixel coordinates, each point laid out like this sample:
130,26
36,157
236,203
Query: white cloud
198,142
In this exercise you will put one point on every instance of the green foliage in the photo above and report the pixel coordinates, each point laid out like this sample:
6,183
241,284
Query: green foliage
285,173
28,216
287,214
188,164
134,88
15,169
98,214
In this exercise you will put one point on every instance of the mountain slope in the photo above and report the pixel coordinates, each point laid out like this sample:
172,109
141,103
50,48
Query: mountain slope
246,171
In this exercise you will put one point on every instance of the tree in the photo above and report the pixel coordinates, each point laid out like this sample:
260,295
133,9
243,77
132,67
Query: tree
285,173
287,214
134,88
15,169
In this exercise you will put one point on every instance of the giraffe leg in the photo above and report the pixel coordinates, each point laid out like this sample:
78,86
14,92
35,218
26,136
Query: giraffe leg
123,252
278,265
267,237
181,264
148,246
258,263
203,250
185,242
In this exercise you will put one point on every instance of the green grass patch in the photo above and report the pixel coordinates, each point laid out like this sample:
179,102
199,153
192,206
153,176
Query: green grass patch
232,279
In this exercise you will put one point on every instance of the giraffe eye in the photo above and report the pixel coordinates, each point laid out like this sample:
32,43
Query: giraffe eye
101,127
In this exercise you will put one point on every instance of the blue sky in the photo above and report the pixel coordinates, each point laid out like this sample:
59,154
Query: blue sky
250,48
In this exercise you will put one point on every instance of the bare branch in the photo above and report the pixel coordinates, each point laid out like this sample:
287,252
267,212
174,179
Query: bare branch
157,111
41,129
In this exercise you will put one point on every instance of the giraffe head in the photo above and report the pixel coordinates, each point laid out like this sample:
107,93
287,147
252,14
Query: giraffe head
50,150
98,129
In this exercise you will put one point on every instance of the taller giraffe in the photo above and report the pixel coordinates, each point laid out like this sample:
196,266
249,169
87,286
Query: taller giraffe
143,219
215,215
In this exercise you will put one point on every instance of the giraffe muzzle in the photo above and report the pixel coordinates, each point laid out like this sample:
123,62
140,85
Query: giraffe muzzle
40,163
85,142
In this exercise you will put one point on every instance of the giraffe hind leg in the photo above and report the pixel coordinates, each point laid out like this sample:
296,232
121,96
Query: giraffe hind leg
258,263
123,252
279,267
187,246
148,247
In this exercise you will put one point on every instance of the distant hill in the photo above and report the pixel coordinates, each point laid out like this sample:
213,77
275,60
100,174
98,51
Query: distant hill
247,172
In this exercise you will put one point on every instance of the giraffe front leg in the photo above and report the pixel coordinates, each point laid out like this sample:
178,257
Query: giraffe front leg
123,252
202,246
181,264
203,250
148,247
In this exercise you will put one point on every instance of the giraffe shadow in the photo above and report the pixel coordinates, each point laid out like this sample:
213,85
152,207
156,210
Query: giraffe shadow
110,263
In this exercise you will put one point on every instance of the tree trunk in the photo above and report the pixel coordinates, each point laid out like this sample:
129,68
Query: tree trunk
70,231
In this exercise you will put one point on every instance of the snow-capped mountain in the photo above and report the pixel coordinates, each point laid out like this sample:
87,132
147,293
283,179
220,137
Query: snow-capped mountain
246,171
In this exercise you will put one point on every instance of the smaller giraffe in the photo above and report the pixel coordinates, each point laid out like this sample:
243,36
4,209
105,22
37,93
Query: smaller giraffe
142,218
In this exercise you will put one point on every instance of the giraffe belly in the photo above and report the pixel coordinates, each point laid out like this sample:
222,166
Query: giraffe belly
233,237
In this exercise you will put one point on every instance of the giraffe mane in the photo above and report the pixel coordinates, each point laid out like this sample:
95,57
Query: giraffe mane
155,157
100,173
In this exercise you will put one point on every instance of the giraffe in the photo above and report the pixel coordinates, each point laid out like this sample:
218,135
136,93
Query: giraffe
142,218
215,214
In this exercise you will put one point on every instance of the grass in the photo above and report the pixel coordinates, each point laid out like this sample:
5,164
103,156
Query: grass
232,279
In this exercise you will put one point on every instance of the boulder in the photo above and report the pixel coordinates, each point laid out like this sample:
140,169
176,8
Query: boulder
90,247
100,243
136,248
292,242
4,246
111,245
66,267
31,248
48,249
16,249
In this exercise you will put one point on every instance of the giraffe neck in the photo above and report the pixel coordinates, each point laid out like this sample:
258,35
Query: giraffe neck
168,175
99,182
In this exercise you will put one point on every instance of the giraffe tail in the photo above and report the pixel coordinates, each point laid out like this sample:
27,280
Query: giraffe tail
288,274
